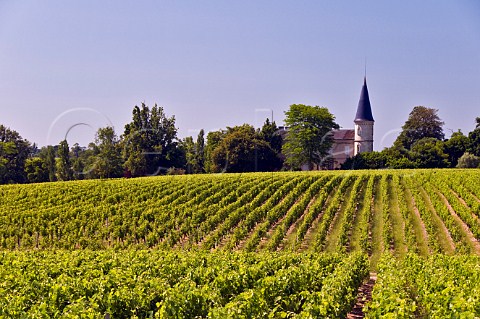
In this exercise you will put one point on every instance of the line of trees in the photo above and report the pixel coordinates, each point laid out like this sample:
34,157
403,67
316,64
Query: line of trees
149,145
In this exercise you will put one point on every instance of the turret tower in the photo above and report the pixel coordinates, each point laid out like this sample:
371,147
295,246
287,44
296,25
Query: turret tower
363,141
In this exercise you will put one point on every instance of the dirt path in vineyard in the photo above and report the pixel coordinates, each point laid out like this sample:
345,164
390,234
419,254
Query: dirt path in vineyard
364,295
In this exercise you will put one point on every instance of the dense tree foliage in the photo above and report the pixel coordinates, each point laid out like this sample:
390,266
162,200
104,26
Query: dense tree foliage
108,162
367,160
194,153
468,161
213,140
456,146
150,141
82,161
36,170
309,137
428,153
243,149
64,165
474,137
422,122
14,151
50,162
269,133
188,147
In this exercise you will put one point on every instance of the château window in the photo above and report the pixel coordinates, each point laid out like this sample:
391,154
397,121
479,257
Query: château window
359,130
347,150
358,148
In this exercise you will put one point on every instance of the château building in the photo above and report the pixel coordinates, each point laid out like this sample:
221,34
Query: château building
350,142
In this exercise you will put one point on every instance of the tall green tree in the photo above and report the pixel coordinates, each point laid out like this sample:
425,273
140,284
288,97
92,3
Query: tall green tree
7,152
14,151
78,162
190,155
194,153
64,165
108,161
269,132
213,140
474,137
150,144
309,137
422,122
200,152
50,164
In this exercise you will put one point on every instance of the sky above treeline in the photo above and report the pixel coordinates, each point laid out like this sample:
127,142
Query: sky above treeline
70,67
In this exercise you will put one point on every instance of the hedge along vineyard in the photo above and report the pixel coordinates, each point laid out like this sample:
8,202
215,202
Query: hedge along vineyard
276,245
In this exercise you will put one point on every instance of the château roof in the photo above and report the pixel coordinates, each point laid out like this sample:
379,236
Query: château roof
364,109
343,134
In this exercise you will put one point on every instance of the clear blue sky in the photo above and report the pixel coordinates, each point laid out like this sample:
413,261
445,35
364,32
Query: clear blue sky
222,63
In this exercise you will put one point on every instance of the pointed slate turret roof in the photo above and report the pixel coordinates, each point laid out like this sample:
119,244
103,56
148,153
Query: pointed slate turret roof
364,110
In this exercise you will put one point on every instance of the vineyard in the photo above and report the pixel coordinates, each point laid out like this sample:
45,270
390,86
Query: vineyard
278,245
182,285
